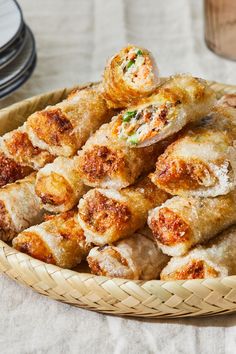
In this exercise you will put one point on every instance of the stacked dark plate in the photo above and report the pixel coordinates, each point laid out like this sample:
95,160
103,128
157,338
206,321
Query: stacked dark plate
17,48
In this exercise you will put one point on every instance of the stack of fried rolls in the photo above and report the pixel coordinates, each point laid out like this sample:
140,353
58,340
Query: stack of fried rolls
115,156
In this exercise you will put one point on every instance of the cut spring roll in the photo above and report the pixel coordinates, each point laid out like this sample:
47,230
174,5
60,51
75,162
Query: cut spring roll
181,100
180,223
19,207
107,215
59,186
18,157
59,240
17,146
215,259
129,75
108,162
201,162
10,171
136,257
62,129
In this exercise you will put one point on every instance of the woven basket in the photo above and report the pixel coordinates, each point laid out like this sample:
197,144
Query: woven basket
114,296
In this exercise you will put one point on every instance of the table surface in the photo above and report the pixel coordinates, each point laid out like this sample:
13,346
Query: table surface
74,38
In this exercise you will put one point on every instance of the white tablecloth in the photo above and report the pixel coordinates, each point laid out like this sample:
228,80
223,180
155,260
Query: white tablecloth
74,38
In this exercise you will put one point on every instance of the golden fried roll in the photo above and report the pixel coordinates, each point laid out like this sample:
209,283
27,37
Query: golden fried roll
19,207
181,223
62,129
215,259
59,186
136,257
17,146
59,241
201,162
181,100
129,75
108,162
10,171
107,215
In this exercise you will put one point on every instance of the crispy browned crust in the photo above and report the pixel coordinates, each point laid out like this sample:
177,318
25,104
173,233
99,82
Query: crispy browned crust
10,171
94,264
170,174
21,148
101,161
5,221
53,189
196,269
149,191
169,228
53,127
32,244
66,226
101,213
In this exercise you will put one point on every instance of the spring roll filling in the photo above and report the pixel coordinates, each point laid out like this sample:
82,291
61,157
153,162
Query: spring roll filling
137,67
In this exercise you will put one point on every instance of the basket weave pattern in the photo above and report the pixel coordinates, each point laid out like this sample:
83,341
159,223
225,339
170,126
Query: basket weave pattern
116,296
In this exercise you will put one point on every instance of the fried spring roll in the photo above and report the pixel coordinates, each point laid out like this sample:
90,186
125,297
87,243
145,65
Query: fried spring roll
180,223
136,257
59,241
19,207
108,162
215,259
17,146
201,162
59,186
10,171
107,215
129,75
62,129
181,100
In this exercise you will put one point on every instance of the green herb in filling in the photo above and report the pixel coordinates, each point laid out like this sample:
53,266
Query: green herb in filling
133,139
130,63
139,52
129,115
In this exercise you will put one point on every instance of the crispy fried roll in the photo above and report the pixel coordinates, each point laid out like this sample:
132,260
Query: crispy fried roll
129,75
201,162
17,146
182,99
107,215
59,186
60,241
215,259
181,223
136,257
108,162
62,129
19,207
10,171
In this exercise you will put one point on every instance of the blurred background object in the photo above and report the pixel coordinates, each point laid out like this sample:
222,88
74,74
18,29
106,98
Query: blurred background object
17,48
220,27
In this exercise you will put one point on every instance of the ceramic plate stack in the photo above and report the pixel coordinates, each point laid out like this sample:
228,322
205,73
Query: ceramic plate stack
17,48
